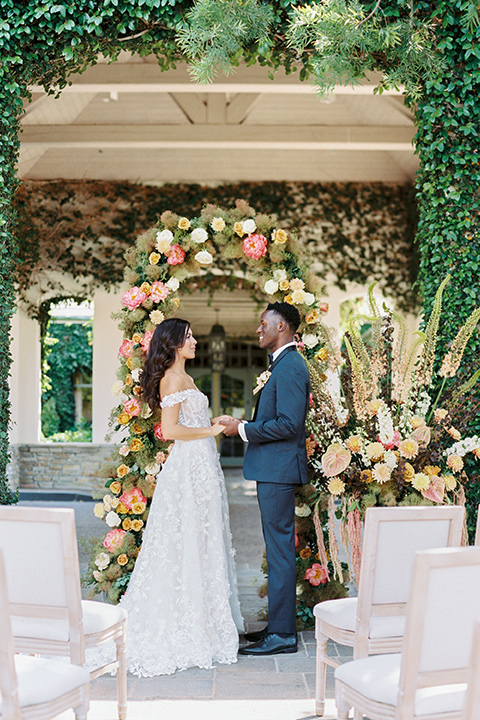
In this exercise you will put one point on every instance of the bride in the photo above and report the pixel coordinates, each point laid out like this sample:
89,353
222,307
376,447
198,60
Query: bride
182,599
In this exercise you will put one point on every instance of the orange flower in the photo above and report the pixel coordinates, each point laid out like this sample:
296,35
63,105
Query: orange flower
145,288
137,428
115,487
138,508
310,444
431,470
127,524
354,443
322,354
135,445
305,553
455,462
123,418
366,476
122,509
122,559
408,448
454,433
288,299
122,470
409,472
137,525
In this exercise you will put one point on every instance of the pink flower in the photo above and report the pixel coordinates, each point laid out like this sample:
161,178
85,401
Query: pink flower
131,497
255,246
395,441
296,540
159,291
335,460
147,339
316,575
132,407
323,307
133,298
157,430
176,256
126,348
114,539
310,400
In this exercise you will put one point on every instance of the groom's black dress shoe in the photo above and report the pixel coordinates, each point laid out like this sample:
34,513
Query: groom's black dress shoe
272,644
256,635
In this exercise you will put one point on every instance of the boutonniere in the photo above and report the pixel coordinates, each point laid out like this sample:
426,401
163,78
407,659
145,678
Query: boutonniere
262,380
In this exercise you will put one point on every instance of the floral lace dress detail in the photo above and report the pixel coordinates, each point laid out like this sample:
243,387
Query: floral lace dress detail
182,599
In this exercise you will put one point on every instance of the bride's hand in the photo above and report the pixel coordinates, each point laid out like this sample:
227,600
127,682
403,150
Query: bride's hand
217,428
221,418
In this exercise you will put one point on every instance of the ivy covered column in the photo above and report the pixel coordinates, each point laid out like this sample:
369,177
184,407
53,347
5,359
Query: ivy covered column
10,108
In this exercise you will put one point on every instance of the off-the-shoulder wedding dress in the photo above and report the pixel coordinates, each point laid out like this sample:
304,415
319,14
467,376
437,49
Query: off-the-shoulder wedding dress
182,600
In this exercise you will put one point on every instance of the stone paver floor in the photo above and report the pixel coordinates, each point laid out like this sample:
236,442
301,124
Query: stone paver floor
269,688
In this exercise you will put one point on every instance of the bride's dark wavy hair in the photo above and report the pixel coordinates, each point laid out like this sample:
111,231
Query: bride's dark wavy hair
168,336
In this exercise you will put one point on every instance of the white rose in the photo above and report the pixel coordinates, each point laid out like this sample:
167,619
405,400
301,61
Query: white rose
117,387
204,257
112,519
136,372
309,298
173,284
107,501
249,226
310,340
115,502
280,275
390,459
270,287
199,235
165,235
152,469
302,511
102,561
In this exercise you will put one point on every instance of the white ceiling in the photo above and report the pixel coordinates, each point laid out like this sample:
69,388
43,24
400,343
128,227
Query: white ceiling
129,121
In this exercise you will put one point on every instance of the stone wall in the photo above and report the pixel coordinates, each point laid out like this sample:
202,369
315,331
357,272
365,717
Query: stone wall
72,466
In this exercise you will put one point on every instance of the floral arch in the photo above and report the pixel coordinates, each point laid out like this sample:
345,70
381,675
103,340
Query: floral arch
220,248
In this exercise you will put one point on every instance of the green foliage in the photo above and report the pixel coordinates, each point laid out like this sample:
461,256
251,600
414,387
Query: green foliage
70,351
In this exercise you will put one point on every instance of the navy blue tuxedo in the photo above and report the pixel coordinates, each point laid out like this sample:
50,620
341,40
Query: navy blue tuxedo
276,458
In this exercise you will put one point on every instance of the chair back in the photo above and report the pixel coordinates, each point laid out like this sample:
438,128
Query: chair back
8,677
43,575
472,700
443,607
392,535
477,530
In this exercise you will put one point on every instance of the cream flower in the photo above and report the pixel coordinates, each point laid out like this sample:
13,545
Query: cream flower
98,576
112,519
373,406
173,284
218,224
336,486
279,236
375,451
417,422
199,235
164,240
102,561
117,387
153,258
280,275
310,340
249,226
163,246
391,459
152,469
308,298
99,510
136,372
440,414
353,443
297,284
455,462
284,285
204,257
421,481
302,511
156,317
270,287
238,229
298,297
450,482
381,473
183,223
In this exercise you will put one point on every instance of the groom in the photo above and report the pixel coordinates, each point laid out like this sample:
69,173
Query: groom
276,458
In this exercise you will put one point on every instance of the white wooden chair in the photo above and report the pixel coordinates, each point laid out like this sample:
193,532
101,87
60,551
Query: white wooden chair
33,688
428,679
48,614
477,530
374,622
471,710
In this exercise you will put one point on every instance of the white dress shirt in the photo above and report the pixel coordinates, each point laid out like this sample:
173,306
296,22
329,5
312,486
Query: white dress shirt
275,354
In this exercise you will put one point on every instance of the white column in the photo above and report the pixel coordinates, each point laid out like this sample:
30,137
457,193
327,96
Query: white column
25,379
107,338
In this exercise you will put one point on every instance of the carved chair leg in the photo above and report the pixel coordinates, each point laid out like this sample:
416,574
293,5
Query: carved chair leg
122,677
321,673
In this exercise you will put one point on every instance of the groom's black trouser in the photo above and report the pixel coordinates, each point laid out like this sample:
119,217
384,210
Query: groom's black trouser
277,508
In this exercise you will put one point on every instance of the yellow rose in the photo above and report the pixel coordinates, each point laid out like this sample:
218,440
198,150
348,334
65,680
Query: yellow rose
432,470
145,287
129,363
123,418
183,223
137,525
312,317
122,559
450,482
279,236
115,487
218,224
284,285
136,337
288,299
238,229
138,508
322,354
127,524
137,390
297,284
298,296
156,317
137,428
135,445
176,303
153,258
129,381
409,472
122,509
122,470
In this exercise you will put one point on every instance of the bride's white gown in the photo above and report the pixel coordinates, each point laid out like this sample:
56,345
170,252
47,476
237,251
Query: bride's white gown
182,599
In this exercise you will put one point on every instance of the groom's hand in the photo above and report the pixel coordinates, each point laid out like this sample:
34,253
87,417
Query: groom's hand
231,427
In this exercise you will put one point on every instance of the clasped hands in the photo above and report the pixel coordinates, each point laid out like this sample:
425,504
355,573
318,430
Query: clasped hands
226,424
